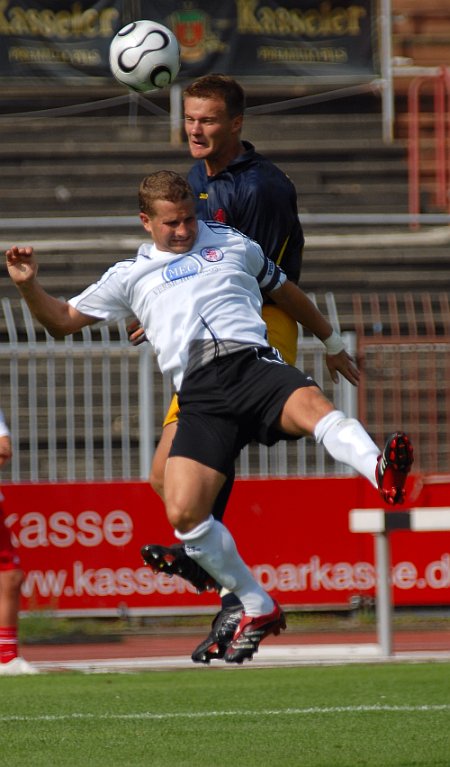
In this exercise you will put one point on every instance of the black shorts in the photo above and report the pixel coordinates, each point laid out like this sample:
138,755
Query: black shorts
232,401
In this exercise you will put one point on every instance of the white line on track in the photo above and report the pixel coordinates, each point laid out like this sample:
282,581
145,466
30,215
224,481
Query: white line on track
269,656
150,715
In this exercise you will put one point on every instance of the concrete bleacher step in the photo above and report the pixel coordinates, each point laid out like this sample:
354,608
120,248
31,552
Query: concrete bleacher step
93,165
151,129
79,166
70,130
357,279
121,199
309,127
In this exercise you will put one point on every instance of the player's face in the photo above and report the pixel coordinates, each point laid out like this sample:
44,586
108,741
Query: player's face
213,136
174,226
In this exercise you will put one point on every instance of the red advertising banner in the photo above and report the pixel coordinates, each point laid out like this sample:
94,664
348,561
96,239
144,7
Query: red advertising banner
80,546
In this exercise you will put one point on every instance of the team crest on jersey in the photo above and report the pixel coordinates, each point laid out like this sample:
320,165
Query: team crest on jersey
220,215
183,267
211,254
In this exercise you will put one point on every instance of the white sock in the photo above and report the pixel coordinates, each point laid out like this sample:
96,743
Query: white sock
213,547
348,442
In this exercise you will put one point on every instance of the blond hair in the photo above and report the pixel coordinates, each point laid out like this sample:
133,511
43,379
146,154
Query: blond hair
162,185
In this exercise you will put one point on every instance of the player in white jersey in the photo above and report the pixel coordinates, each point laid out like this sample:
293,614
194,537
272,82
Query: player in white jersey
180,297
196,293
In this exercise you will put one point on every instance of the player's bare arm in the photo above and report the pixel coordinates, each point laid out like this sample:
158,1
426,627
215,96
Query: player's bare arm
5,449
58,317
295,302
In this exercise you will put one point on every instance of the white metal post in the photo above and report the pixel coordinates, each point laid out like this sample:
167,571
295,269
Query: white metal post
176,115
419,520
387,93
384,596
146,413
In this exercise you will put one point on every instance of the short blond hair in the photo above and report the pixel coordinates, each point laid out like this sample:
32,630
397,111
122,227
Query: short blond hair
162,185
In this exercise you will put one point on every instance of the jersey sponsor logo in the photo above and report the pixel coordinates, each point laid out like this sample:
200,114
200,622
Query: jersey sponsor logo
211,254
220,215
183,267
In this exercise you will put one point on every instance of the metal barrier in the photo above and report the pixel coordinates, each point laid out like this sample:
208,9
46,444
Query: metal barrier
381,523
441,95
91,407
403,348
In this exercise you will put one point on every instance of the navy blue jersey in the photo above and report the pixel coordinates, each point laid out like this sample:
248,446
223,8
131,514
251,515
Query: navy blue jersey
254,196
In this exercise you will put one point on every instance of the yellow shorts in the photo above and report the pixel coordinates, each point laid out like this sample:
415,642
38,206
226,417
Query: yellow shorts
172,413
282,334
282,331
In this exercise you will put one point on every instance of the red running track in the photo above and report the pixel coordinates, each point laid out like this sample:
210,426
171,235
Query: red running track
178,644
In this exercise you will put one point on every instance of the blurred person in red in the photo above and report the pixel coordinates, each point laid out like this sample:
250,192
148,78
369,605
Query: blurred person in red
11,578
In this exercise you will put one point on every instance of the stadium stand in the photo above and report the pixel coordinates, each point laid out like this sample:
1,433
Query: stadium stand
385,278
91,167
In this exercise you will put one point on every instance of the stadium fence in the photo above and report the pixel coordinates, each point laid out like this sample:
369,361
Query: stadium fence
90,407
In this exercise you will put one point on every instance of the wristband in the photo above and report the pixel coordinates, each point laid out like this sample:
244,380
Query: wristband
334,343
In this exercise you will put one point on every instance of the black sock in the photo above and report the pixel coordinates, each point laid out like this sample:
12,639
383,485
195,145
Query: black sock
230,600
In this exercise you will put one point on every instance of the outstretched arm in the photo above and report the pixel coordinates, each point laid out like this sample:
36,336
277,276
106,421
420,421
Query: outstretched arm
295,302
5,441
58,317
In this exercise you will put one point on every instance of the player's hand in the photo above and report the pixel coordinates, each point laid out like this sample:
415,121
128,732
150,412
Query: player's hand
344,364
21,264
136,333
5,449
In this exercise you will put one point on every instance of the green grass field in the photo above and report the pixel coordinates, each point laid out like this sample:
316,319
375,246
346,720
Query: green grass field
388,715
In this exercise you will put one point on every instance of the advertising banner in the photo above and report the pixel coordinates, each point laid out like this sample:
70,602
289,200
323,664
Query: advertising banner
70,38
80,546
265,38
57,39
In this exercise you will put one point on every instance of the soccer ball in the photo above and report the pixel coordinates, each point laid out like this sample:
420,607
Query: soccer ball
144,56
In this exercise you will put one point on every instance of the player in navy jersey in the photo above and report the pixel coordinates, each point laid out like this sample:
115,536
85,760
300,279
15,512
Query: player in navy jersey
232,182
197,293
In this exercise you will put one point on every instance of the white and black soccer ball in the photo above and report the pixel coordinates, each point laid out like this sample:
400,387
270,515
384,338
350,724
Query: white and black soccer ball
144,56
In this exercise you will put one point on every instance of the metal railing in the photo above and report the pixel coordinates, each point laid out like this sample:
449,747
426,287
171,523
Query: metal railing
91,407
440,85
404,354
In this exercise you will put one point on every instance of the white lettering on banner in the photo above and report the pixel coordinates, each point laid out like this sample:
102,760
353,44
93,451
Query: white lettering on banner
437,574
63,530
404,576
314,576
46,583
345,576
101,582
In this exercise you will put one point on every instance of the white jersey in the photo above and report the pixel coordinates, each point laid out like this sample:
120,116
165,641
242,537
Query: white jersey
210,294
4,431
